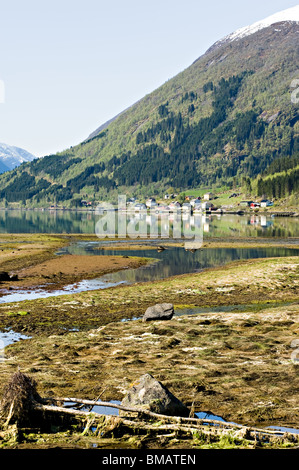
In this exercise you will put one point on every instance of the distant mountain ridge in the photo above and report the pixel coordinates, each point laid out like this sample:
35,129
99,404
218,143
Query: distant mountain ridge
11,157
227,117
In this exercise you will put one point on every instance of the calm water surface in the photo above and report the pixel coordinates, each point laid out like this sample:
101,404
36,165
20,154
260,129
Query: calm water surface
170,262
47,221
174,260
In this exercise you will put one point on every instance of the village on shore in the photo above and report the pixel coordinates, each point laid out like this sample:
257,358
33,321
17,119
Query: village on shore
192,204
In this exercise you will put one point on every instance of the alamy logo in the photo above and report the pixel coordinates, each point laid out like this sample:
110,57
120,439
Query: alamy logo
295,93
141,222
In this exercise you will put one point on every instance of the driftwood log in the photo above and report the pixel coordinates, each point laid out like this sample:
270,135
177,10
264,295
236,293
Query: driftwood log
183,422
147,421
22,405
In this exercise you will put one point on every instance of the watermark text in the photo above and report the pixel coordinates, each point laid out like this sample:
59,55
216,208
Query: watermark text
295,93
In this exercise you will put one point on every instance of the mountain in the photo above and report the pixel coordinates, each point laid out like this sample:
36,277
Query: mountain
11,157
105,125
228,118
289,15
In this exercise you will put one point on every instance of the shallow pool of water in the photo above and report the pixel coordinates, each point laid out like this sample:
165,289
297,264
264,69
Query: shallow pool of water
172,261
6,338
105,410
284,429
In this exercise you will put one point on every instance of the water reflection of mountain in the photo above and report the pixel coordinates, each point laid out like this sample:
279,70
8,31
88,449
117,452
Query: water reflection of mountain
171,262
175,261
162,225
21,221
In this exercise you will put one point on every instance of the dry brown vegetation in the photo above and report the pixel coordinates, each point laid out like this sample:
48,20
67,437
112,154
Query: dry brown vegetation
236,362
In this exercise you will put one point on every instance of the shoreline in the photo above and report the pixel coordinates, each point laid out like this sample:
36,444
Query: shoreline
63,270
220,211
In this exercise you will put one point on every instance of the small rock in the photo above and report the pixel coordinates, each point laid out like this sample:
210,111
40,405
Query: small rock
162,311
152,395
4,276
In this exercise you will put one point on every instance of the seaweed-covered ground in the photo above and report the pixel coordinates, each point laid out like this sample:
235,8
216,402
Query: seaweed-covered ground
235,358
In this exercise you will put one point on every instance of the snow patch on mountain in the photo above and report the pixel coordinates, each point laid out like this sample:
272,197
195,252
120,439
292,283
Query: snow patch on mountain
11,157
289,15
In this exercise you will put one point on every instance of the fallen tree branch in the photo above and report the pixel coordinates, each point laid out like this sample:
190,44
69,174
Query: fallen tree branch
61,409
23,406
135,424
178,419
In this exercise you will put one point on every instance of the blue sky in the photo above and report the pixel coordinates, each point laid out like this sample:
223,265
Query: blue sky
69,66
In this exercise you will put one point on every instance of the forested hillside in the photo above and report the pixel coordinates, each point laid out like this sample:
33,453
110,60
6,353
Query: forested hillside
281,178
226,119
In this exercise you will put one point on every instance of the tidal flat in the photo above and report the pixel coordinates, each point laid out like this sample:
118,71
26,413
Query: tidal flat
234,356
35,259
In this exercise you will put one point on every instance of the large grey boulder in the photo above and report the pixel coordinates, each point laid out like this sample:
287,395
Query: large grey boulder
150,394
163,311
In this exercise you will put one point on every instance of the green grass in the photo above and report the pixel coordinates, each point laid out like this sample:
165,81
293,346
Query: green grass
21,313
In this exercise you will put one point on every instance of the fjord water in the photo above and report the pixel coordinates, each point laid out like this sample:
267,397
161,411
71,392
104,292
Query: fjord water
84,222
172,261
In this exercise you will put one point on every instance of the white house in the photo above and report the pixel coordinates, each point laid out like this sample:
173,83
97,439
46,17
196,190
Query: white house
151,202
208,196
174,206
186,207
197,207
140,207
266,203
206,206
195,201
